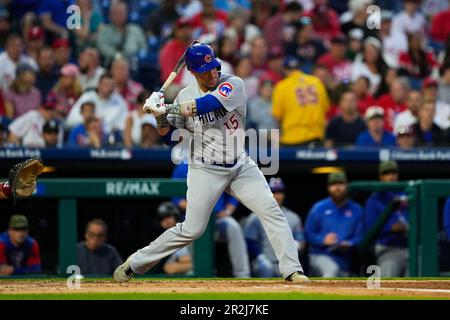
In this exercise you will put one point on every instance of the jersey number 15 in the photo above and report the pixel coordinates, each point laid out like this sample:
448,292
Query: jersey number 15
232,124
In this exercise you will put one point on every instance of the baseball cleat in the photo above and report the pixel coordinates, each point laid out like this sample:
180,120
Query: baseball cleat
298,277
123,273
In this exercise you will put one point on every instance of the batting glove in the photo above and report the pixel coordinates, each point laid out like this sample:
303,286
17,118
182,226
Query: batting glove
155,104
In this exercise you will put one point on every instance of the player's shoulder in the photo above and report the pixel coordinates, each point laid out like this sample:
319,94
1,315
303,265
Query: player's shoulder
355,206
322,204
30,242
230,78
186,91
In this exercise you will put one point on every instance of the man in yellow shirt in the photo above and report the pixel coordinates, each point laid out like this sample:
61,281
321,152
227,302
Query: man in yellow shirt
300,103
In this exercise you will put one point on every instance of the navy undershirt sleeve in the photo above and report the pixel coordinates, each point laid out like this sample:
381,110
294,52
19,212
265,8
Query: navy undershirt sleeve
207,104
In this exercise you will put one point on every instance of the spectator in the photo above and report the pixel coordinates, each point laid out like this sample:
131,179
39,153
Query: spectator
89,133
300,103
90,68
161,21
50,133
95,255
305,46
416,63
265,263
355,45
3,135
91,22
179,262
440,26
375,135
240,28
359,18
325,20
67,90
447,218
27,130
243,70
48,73
409,117
333,229
227,49
209,20
228,230
274,65
391,244
370,64
5,27
360,88
120,37
442,113
127,87
22,96
54,16
136,118
150,137
34,42
444,83
259,112
393,42
10,59
344,128
405,137
110,107
279,29
394,102
426,131
336,61
410,20
259,54
171,52
19,253
63,52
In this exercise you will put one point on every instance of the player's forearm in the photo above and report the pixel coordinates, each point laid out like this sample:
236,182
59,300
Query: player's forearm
192,108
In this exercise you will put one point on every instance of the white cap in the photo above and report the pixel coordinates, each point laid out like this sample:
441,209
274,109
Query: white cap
374,111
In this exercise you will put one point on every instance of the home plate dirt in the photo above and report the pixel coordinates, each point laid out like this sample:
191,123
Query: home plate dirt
408,288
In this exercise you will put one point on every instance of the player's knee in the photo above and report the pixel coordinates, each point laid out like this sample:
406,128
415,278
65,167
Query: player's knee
194,232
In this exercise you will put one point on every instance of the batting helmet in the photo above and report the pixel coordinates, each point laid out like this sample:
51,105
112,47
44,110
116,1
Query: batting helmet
276,184
201,58
167,209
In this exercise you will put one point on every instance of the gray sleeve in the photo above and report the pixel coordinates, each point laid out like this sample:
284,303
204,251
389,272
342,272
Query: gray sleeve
231,93
176,120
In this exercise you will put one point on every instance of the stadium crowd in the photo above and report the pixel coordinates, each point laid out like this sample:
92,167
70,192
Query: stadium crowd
367,79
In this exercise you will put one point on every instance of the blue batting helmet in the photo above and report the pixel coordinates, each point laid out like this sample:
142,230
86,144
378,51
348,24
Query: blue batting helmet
276,184
201,58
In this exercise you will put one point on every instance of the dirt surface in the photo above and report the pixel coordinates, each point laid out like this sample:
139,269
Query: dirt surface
407,288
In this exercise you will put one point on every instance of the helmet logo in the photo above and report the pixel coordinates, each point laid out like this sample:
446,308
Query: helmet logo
226,89
208,58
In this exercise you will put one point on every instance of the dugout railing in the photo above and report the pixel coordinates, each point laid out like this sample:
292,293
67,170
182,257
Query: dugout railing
68,191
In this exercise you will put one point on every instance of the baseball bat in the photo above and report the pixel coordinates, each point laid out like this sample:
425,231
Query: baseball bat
180,65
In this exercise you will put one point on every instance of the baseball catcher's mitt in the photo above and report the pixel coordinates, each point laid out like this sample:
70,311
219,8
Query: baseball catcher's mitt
22,178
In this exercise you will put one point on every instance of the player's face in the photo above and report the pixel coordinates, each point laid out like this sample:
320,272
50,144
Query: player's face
390,176
168,222
207,80
338,191
279,197
18,235
95,236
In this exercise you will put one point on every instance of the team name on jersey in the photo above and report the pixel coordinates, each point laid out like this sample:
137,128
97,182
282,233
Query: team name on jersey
212,116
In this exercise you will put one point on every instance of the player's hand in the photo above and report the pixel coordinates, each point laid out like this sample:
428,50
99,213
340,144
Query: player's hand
6,270
155,104
330,239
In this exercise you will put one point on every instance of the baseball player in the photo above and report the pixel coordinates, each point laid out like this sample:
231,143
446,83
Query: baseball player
227,228
213,110
265,263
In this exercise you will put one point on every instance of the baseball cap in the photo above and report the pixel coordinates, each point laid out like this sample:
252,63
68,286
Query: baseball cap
337,177
339,39
35,33
51,127
276,184
70,70
373,41
374,112
24,67
291,62
386,15
429,82
59,43
404,130
166,209
182,22
356,34
387,166
50,101
18,221
275,52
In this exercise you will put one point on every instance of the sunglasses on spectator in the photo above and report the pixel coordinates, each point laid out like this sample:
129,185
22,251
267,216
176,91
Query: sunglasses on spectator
98,235
20,229
389,172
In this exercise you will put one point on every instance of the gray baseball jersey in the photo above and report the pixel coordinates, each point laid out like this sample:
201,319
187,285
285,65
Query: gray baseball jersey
216,136
210,137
